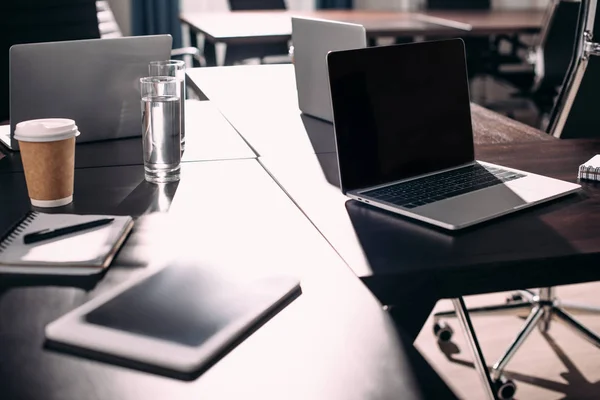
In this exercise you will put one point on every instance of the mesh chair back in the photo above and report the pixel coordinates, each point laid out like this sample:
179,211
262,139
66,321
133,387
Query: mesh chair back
575,113
241,5
34,21
458,4
557,42
106,21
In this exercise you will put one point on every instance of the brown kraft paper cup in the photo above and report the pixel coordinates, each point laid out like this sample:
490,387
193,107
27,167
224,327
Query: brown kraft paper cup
49,171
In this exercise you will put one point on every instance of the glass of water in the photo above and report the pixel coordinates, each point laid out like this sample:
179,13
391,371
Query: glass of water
175,68
161,128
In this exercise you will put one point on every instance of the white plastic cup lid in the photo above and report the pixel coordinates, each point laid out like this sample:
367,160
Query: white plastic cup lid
46,130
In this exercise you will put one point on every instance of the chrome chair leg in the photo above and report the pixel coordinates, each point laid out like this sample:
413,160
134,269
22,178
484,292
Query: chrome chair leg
576,308
530,323
544,307
546,299
509,309
577,327
527,294
478,358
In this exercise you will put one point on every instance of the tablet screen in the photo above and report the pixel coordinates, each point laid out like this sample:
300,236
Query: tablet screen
186,304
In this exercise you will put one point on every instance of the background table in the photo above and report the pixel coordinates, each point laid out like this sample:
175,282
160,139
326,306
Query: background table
550,244
334,341
242,27
239,27
208,137
488,22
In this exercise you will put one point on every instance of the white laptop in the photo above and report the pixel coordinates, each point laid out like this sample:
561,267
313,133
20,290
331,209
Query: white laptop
94,82
312,40
404,138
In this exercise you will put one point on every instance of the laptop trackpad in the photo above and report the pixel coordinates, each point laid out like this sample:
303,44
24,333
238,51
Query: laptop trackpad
473,206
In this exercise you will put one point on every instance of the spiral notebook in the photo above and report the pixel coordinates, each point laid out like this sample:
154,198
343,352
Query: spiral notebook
82,253
591,169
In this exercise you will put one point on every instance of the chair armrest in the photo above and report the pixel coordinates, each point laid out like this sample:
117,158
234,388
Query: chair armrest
190,51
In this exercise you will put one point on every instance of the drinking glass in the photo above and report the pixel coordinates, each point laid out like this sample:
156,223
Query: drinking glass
175,68
161,128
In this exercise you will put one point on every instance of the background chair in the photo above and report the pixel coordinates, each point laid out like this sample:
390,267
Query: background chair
108,28
575,113
32,21
478,48
241,5
548,60
458,4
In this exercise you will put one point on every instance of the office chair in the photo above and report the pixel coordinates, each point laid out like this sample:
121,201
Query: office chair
246,5
33,21
549,59
478,48
574,112
458,4
108,28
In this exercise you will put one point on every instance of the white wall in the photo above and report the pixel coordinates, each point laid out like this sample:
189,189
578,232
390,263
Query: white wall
301,4
203,5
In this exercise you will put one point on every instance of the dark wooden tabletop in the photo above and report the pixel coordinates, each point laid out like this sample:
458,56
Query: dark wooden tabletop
480,22
332,342
208,137
275,26
378,246
550,244
261,102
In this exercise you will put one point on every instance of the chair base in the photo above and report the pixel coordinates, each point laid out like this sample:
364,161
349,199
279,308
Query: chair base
540,309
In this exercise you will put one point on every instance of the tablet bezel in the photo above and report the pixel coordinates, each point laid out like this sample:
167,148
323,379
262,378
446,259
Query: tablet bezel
72,329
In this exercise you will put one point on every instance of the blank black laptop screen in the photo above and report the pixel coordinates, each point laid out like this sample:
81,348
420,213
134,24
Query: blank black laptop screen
400,111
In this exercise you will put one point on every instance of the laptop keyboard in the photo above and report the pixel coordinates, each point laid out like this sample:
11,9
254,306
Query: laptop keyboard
442,186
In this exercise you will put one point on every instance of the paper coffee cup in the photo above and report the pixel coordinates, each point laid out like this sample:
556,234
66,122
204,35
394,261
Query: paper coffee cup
48,155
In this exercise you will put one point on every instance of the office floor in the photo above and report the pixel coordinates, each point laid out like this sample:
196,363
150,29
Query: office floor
559,366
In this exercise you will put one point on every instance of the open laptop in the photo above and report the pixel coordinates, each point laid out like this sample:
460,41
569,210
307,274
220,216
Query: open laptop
404,138
94,82
313,39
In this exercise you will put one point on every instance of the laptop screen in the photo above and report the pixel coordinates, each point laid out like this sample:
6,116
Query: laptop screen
400,111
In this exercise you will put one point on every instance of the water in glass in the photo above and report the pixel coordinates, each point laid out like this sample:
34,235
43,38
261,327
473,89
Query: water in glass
161,138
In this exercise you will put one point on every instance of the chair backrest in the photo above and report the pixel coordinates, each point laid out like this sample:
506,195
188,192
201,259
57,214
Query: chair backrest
575,113
107,24
458,4
34,21
557,42
241,5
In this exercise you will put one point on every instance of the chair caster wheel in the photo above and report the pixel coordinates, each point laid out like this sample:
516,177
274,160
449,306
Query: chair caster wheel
513,298
505,388
442,331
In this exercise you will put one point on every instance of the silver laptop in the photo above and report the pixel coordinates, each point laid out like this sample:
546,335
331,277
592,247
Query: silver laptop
312,40
94,82
404,138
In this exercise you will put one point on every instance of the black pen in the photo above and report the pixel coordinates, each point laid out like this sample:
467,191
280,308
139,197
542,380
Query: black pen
46,234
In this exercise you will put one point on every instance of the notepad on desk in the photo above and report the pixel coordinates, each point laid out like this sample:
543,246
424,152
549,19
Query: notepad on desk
80,253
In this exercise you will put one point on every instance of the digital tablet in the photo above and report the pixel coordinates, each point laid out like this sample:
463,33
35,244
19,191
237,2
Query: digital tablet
181,318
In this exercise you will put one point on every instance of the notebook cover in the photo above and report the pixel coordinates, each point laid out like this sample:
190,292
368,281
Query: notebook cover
65,255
